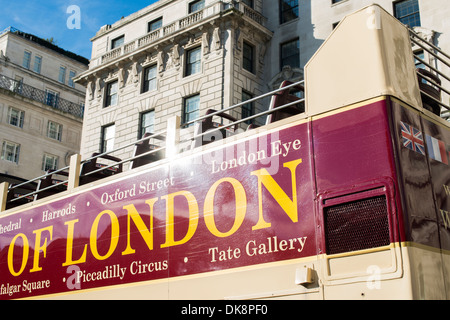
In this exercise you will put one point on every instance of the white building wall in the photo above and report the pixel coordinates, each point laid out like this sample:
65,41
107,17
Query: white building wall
317,17
33,135
219,84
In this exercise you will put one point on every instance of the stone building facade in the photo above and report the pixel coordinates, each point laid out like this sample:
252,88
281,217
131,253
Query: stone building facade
41,107
171,58
183,57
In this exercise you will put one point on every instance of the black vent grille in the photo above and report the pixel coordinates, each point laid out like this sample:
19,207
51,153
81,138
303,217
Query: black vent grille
357,225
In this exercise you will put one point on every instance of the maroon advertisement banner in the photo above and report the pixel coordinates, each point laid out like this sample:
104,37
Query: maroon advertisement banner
239,205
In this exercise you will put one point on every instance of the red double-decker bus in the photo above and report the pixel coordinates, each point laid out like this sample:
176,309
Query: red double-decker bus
342,194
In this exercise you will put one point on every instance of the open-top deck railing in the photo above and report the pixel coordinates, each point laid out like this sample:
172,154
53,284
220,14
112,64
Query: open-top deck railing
434,79
170,136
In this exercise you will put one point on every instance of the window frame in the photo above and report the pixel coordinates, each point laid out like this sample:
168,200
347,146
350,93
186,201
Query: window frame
117,42
37,64
51,98
151,24
285,13
107,144
15,153
396,5
196,6
62,74
54,133
19,119
26,62
247,109
190,115
194,67
143,127
287,58
70,82
152,83
248,63
54,162
109,94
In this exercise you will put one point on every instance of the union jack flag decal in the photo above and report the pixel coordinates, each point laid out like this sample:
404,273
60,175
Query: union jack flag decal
412,138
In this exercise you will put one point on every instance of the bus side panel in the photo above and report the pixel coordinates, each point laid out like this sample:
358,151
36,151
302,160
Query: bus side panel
437,141
204,221
353,148
420,218
358,203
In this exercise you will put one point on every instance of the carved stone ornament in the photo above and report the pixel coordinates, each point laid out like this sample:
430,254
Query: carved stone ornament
98,88
90,89
161,61
216,38
287,73
121,77
205,42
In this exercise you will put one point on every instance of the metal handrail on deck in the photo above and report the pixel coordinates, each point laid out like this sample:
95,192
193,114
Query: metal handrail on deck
160,136
440,69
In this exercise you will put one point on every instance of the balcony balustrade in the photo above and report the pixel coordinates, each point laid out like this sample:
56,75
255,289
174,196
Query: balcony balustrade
45,97
184,23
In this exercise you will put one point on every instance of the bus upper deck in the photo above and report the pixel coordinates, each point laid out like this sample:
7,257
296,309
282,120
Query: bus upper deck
345,188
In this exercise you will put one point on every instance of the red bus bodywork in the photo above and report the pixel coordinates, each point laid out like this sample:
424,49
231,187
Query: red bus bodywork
354,200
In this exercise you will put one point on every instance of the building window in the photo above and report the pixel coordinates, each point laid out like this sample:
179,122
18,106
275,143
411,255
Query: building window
10,151
117,42
37,64
15,117
50,162
193,61
17,84
290,54
51,98
195,6
335,1
248,109
150,75
54,130
288,10
107,142
248,61
71,76
155,25
249,3
421,55
407,12
26,59
191,108
62,75
147,123
111,94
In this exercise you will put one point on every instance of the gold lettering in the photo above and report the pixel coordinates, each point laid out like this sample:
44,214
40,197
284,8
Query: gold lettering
114,235
289,206
445,218
447,190
26,250
241,207
39,247
69,247
193,218
146,233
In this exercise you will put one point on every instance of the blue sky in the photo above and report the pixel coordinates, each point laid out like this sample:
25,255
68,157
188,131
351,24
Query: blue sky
48,18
